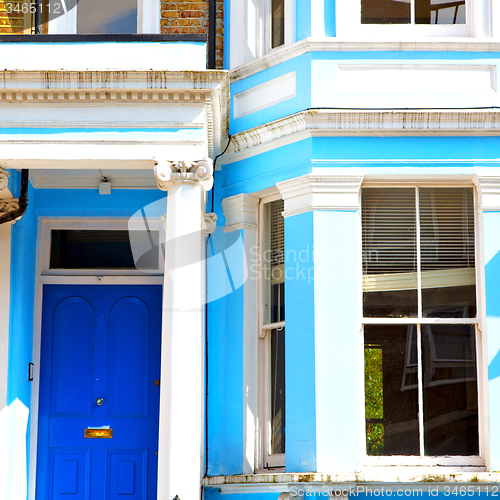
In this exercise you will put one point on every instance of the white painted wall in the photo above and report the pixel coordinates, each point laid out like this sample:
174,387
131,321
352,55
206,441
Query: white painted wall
362,84
167,56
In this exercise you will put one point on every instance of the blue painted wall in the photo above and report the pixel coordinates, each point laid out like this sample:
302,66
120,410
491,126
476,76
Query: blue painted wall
315,81
300,376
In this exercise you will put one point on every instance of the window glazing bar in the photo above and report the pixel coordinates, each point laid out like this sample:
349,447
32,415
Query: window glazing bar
419,267
420,392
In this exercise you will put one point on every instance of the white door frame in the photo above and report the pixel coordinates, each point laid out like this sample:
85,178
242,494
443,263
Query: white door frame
45,224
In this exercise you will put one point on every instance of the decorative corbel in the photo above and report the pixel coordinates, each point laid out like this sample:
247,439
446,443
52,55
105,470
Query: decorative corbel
208,223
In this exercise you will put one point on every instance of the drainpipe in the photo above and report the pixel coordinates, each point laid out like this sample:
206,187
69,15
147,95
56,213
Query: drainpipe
212,32
22,202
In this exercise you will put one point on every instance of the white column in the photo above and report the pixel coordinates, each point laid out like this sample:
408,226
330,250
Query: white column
181,440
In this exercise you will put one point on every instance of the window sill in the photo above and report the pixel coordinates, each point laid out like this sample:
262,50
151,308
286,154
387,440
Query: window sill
386,476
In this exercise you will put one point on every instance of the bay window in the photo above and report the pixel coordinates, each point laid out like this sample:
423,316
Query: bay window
420,309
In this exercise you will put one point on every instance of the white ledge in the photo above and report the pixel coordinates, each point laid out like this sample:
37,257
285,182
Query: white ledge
340,122
413,477
287,52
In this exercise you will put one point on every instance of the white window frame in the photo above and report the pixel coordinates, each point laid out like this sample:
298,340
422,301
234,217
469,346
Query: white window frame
47,225
422,460
348,20
265,461
250,29
148,19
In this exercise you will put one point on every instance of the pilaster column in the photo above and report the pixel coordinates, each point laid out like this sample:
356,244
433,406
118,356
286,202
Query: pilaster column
322,303
488,258
241,214
181,438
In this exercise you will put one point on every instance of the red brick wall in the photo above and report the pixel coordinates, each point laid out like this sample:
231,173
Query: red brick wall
191,16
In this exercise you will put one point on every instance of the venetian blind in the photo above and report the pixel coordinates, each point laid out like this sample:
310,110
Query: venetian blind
389,230
277,238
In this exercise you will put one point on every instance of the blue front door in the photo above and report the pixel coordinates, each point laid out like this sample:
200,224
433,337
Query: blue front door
99,377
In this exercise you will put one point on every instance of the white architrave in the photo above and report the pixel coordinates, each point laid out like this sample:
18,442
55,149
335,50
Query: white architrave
241,213
320,192
489,192
181,435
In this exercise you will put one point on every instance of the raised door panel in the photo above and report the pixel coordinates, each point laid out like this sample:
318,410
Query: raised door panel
128,367
72,359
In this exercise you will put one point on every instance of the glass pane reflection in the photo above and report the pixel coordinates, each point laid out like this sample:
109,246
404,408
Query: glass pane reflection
277,391
391,390
440,12
426,11
385,12
277,23
109,16
450,390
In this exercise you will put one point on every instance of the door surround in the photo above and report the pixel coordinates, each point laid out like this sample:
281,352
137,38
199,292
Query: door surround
81,277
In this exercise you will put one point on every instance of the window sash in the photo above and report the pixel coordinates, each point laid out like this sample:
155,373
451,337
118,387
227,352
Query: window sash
422,224
349,27
271,251
379,416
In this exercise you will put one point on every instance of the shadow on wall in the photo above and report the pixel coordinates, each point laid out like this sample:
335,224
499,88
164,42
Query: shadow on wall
493,306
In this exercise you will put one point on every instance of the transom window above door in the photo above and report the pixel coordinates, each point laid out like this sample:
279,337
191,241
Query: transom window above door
102,247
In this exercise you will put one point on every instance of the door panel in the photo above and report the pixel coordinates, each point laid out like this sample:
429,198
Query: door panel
72,382
128,346
99,341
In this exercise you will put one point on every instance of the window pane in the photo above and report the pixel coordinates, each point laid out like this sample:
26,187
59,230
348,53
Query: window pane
13,20
447,252
277,23
99,249
391,390
450,390
389,235
273,262
277,391
385,12
109,16
439,12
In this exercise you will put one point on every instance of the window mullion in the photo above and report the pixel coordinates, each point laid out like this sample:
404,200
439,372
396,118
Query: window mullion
419,330
412,14
420,392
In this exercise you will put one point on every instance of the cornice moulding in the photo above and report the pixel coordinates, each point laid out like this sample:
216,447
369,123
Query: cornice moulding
320,192
330,123
489,189
209,88
241,212
287,52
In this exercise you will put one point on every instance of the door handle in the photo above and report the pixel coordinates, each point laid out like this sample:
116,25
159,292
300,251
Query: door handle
99,402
